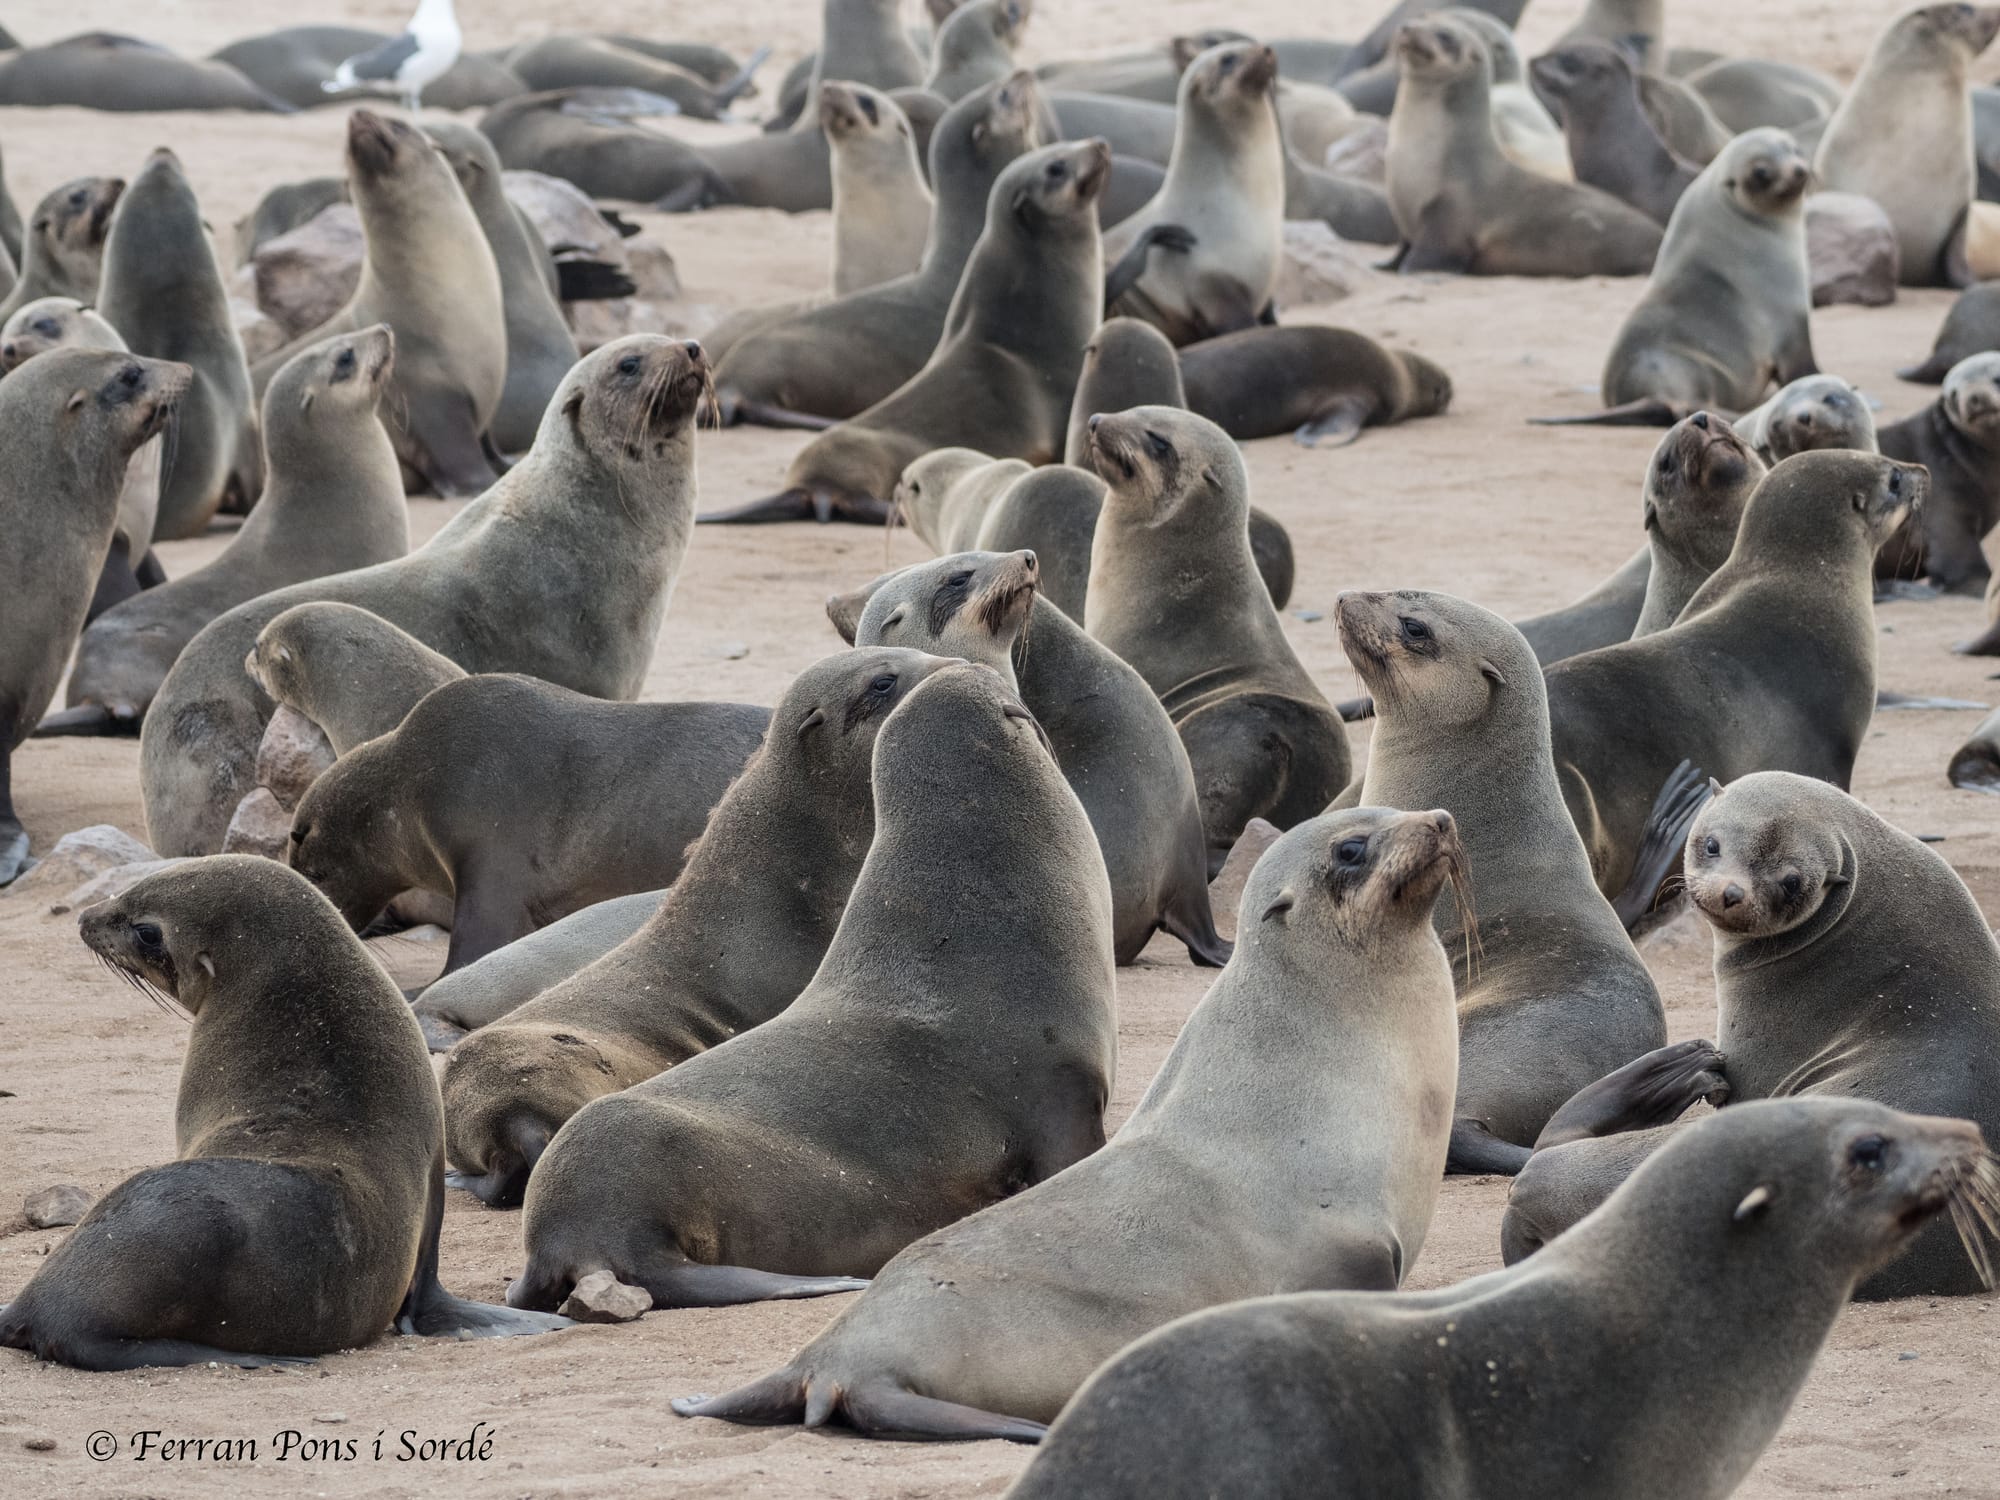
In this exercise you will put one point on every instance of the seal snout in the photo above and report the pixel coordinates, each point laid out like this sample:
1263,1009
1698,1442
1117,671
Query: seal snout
1111,452
371,141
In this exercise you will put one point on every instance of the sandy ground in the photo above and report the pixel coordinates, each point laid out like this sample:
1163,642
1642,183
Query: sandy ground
1901,1403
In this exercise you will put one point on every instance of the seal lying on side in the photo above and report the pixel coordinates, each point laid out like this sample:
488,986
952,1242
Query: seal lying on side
1463,205
566,133
571,61
1322,385
521,801
562,570
1115,744
1770,666
349,672
1818,411
1957,438
100,70
301,1214
431,276
70,422
1551,993
1754,1228
971,979
1337,1013
62,252
294,63
334,502
1263,741
739,936
162,290
1811,897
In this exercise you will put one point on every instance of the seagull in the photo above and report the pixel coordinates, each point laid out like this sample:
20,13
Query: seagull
409,63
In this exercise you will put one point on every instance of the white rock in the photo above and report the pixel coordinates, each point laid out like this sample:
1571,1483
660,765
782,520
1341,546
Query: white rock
601,1298
1318,265
80,856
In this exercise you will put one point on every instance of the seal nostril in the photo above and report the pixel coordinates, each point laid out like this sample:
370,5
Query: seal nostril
693,348
1700,419
1732,895
1095,420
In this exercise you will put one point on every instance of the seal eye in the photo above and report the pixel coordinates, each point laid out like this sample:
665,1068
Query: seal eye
868,109
1760,177
47,328
1158,446
1870,1153
629,365
1711,846
148,936
883,684
1792,885
1351,853
1056,171
958,580
130,376
1415,630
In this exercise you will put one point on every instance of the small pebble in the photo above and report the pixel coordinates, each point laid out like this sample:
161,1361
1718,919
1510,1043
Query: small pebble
40,1445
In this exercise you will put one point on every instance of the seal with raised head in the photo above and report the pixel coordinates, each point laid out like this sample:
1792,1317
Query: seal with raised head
1701,477
1910,104
333,501
1004,370
1336,1013
971,980
562,570
1806,889
881,204
1462,204
1814,411
62,249
739,936
1322,385
520,801
1115,744
863,41
346,670
1613,142
975,45
101,70
1957,438
70,422
1551,993
1754,1228
1174,590
431,276
301,1213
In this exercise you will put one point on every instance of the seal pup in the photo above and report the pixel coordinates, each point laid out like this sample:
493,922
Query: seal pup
1727,314
540,347
419,808
1115,744
1337,1012
971,978
1262,739
1816,411
1461,204
301,1213
1975,766
70,421
101,70
1758,1224
1748,92
347,671
430,274
1957,438
1971,327
1702,476
1551,993
1322,385
1770,666
739,936
334,501
1613,143
1225,186
1908,104
131,565
838,359
62,253
881,204
975,45
562,570
1005,367
1805,889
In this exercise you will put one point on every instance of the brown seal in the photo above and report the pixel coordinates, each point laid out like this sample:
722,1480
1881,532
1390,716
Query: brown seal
348,671
301,1214
882,206
1613,142
1957,438
1815,411
62,248
1322,385
1701,477
1971,327
1337,1014
971,978
101,70
295,63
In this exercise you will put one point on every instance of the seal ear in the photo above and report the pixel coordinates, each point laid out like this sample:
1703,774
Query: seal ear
1492,673
811,721
844,610
305,403
1714,788
1754,1202
1279,908
75,402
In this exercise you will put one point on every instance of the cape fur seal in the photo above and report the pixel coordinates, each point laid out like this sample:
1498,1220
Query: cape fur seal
431,276
1701,477
1115,744
971,978
1770,666
296,63
62,250
1815,411
349,672
1957,438
1975,766
1613,143
740,934
1225,186
1971,327
1806,889
1336,1012
1606,615
162,290
569,60
881,204
101,70
1322,385
1262,739
1461,204
975,45
70,422
1006,363
562,570
301,1214
1756,1226
575,135
863,41
838,359
1909,104
1551,993
334,501
1746,92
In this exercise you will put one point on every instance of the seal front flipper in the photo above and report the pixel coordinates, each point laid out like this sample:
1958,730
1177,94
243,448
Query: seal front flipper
1656,1089
1437,246
1647,411
1686,792
86,718
764,414
1476,1150
1125,275
1336,426
1887,700
429,1311
1196,928
821,503
875,1409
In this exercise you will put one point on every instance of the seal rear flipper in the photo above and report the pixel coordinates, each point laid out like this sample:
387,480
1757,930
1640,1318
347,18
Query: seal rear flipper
501,463
116,582
449,449
1975,768
1986,643
876,1409
85,718
687,1283
1655,1089
97,1352
1191,920
1475,1150
1336,426
1887,700
821,503
430,1311
1647,411
1125,274
728,93
583,280
1686,792
13,847
1931,372
764,414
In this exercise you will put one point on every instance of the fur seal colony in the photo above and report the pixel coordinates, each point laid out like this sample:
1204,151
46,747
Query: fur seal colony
990,923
